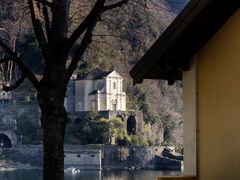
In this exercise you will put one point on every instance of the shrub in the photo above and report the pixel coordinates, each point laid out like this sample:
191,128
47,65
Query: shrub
137,140
169,125
150,142
29,128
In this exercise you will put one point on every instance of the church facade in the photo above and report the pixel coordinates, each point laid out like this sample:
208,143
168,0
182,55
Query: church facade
96,91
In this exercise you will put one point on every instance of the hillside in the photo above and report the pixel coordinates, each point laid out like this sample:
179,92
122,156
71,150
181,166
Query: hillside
119,41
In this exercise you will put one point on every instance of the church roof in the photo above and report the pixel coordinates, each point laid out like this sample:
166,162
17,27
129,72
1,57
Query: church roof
93,92
96,73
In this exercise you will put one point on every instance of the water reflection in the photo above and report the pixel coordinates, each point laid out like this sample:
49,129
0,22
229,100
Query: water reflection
21,175
89,175
135,175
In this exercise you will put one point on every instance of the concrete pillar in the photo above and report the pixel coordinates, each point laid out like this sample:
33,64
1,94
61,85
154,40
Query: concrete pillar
189,119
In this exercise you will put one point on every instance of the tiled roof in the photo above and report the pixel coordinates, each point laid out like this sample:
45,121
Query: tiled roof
93,92
96,73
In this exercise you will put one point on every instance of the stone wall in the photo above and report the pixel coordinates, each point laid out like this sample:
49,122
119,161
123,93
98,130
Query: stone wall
98,157
116,157
25,154
82,158
18,110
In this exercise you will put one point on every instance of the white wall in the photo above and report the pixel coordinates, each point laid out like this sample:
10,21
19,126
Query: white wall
82,90
88,159
115,93
104,98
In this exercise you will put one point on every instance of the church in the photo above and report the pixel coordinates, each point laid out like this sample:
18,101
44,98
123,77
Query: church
96,91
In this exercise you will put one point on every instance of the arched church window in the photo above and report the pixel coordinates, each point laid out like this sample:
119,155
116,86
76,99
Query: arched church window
93,104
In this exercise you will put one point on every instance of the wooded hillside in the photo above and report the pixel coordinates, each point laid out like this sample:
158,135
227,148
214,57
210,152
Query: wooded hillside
119,41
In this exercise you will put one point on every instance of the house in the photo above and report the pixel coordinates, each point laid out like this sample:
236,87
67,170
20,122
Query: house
201,47
96,91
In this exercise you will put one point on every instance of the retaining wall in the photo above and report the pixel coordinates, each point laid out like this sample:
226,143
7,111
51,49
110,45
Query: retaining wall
95,157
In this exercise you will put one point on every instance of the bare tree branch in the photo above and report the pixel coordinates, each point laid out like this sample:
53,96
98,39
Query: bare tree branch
46,3
115,5
10,87
5,59
106,35
89,23
37,28
86,39
47,20
95,12
18,61
78,31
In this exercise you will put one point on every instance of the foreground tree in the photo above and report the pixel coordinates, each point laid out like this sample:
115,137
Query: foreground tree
50,20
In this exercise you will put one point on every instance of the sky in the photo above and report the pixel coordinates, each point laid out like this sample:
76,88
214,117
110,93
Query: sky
177,5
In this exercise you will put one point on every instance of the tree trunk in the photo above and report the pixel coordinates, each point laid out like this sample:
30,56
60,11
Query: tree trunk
53,146
53,119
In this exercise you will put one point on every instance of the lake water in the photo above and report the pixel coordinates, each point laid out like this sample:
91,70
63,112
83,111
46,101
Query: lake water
89,175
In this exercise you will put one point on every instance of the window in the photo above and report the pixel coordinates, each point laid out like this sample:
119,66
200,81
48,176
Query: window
93,104
80,108
114,85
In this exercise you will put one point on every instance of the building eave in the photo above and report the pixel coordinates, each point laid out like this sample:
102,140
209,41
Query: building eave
185,36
